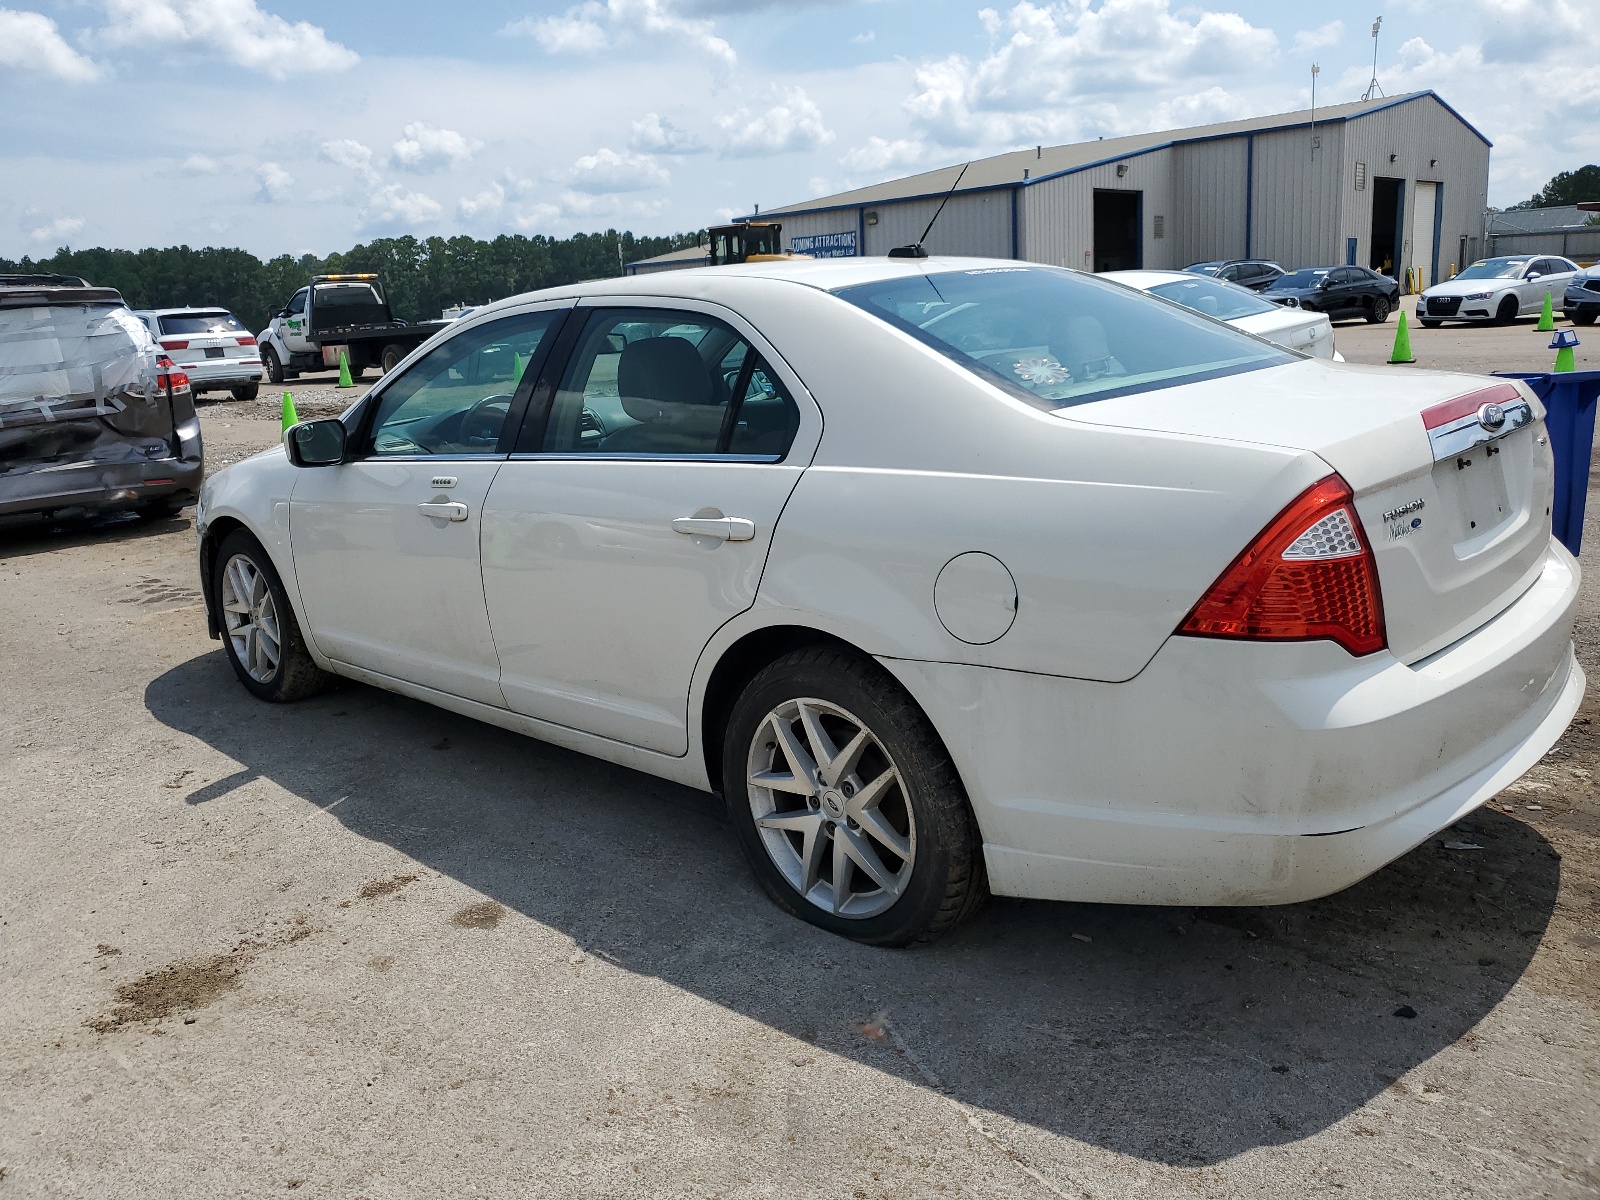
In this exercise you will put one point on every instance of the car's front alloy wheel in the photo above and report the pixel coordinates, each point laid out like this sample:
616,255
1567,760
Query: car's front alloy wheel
259,631
847,805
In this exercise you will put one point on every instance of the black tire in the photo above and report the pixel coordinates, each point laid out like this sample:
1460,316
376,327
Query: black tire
1379,312
1426,324
1507,312
392,354
270,364
248,392
296,674
947,881
1583,318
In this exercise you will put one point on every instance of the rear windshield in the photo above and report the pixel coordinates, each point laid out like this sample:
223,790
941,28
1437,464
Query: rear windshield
214,322
1224,301
1308,278
1204,268
342,294
1057,338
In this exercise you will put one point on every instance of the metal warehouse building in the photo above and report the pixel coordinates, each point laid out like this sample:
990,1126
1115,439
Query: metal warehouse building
1390,183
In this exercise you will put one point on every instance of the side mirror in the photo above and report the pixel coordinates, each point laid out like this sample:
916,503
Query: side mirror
316,443
1533,275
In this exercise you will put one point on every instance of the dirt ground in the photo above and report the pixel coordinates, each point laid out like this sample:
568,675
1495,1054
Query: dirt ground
359,947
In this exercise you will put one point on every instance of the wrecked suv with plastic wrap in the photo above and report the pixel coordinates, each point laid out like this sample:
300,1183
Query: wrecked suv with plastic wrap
93,416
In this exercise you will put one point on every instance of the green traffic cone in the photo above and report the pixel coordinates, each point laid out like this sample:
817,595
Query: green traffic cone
1547,317
1402,342
518,365
344,371
290,417
1563,344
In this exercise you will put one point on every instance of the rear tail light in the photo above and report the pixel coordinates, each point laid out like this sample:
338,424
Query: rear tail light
170,378
246,341
174,344
1308,575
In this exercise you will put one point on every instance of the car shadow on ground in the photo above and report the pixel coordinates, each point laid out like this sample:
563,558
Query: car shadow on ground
23,536
1181,1036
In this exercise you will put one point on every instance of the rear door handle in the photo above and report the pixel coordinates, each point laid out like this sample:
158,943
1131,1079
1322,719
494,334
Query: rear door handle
449,510
729,529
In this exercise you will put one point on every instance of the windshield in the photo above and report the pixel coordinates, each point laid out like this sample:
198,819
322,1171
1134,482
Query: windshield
1308,278
216,322
1056,338
1494,268
1224,301
1204,268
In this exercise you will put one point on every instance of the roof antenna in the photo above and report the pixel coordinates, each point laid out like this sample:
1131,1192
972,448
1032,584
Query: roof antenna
915,250
1372,88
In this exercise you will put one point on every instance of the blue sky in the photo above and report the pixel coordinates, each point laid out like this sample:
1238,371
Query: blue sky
285,126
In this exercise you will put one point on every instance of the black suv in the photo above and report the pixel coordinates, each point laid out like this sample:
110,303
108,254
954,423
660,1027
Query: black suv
93,416
1253,273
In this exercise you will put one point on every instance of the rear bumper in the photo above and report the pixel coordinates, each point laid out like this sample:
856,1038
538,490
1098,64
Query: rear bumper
222,372
1251,773
98,487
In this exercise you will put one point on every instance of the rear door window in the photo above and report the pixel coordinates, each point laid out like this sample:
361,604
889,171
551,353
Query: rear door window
655,382
1057,338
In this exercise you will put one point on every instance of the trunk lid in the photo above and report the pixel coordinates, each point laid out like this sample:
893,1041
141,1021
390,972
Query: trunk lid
1458,516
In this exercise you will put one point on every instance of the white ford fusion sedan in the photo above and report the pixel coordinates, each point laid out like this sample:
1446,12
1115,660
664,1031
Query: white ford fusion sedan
950,575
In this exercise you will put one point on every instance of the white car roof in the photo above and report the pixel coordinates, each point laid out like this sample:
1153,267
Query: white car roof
179,312
825,274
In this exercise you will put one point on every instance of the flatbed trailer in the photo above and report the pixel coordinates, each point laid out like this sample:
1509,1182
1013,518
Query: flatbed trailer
336,315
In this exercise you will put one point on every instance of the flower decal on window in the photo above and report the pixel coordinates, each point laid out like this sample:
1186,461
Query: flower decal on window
1040,371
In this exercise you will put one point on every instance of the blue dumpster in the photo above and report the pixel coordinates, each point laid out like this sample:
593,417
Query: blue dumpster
1569,399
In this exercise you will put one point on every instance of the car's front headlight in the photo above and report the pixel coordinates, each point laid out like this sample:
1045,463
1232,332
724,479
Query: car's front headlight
1478,296
1290,302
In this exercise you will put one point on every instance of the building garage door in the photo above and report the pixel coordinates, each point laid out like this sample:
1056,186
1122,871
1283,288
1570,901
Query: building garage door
1423,219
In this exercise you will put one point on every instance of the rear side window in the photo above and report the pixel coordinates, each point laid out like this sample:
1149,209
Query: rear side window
216,322
654,382
1217,300
1057,338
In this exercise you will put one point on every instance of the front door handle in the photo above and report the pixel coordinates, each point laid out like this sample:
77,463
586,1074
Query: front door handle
448,510
729,529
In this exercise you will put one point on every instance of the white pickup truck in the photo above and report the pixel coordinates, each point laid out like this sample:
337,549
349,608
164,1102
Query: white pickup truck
333,315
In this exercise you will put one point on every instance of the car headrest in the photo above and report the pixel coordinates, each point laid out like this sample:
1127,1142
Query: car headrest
1081,344
659,371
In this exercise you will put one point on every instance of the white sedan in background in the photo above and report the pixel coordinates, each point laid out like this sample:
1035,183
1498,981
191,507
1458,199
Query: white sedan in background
950,575
211,345
1296,328
1497,289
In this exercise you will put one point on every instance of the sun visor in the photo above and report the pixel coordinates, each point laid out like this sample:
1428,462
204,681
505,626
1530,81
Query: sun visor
68,362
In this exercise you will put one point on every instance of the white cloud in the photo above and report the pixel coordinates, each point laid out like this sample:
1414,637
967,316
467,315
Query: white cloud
594,26
29,41
795,123
607,170
61,227
393,205
236,30
351,154
1315,39
275,183
1067,71
653,135
487,202
865,39
428,148
200,164
879,154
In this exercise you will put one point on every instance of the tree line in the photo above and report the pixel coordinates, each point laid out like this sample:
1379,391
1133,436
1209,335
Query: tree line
421,276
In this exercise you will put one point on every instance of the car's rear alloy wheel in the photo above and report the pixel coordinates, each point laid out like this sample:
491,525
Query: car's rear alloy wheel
259,631
1380,311
846,802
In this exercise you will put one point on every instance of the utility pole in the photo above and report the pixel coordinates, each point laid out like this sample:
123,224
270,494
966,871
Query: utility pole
1372,88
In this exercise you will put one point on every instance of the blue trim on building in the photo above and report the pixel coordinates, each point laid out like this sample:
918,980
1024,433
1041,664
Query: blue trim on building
861,231
1249,194
1438,228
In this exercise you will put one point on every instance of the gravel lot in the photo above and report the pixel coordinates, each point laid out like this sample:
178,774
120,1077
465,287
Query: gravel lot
359,947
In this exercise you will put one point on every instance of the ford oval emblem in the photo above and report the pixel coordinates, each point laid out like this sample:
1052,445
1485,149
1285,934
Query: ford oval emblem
1491,417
